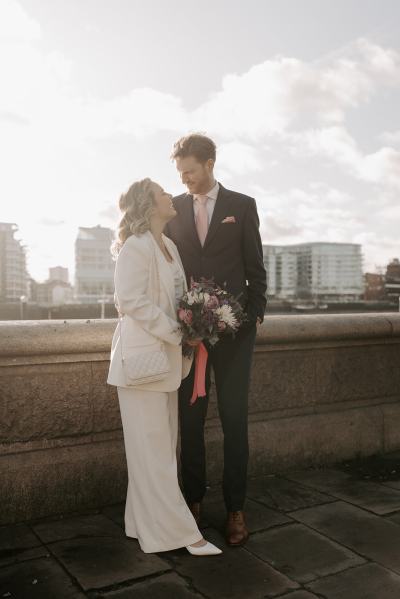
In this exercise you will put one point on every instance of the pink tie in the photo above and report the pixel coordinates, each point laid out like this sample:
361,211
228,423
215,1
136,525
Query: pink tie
202,218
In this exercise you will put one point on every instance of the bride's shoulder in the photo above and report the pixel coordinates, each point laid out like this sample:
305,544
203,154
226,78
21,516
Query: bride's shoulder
138,243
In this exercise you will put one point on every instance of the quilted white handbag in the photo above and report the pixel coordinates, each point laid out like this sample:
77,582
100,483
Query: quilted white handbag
146,365
150,363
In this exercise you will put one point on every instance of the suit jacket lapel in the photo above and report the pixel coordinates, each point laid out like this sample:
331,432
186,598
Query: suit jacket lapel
164,274
220,211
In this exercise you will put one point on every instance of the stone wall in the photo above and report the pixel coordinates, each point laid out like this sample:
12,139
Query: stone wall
324,388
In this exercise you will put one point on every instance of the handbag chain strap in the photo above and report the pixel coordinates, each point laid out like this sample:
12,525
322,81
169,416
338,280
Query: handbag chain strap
155,271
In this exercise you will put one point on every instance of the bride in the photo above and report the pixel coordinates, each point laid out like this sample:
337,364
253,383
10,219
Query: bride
149,279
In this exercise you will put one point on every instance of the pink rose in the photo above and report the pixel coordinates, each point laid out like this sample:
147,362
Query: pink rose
213,303
221,326
185,315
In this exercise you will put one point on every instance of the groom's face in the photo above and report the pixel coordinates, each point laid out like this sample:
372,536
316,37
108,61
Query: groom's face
197,176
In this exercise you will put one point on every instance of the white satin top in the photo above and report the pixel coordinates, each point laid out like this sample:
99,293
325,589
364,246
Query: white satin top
178,281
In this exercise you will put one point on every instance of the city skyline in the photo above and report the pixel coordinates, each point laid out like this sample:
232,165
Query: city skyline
327,270
70,276
303,110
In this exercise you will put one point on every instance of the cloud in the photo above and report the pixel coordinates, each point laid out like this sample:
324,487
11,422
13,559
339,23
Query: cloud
383,63
140,113
34,82
283,123
16,25
282,92
111,213
277,227
267,100
13,118
391,137
51,222
270,100
238,157
335,143
307,214
320,212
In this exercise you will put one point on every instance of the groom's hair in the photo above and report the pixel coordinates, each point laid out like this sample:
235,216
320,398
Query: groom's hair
196,144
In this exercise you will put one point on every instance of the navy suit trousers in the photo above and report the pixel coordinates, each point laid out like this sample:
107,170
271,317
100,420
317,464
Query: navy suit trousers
230,360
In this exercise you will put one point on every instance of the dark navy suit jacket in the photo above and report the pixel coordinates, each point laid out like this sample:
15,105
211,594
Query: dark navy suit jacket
232,252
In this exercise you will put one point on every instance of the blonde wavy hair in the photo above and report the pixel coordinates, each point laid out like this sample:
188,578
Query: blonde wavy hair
137,206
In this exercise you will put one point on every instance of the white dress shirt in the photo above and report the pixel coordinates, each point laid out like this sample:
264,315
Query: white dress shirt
212,197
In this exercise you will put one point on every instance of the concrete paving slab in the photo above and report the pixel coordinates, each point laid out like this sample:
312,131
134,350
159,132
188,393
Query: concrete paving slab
369,581
14,557
116,513
232,575
318,478
104,561
321,545
299,595
18,543
284,495
37,579
394,518
214,493
380,467
93,525
17,536
392,484
167,586
301,553
377,498
369,535
258,516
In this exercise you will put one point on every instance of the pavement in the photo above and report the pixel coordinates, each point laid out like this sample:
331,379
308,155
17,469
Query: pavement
315,533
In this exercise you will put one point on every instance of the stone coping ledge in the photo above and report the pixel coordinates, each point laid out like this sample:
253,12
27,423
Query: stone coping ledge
42,337
328,327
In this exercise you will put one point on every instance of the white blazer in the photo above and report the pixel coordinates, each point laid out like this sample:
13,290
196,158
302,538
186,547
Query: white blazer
144,317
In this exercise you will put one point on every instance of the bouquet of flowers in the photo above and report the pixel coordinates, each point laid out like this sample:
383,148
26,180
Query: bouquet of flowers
206,311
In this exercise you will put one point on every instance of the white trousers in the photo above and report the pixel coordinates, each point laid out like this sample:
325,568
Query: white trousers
155,513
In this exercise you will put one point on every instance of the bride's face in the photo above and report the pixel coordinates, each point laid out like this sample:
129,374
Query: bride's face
164,208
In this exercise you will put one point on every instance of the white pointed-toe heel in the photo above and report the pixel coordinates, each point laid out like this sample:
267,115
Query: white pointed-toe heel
207,549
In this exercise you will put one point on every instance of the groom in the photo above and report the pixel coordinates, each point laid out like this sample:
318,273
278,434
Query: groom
216,231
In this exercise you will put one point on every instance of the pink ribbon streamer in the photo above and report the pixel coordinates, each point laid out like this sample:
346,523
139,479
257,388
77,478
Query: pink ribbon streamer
199,388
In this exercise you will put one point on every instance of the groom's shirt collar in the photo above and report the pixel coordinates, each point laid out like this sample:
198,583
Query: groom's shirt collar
212,194
212,197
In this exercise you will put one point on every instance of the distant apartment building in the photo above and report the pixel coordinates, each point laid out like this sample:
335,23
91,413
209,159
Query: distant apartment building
56,291
374,286
281,264
392,279
13,273
94,267
314,270
53,293
59,273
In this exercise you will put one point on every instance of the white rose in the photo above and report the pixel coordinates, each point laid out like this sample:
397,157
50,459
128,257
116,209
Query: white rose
190,298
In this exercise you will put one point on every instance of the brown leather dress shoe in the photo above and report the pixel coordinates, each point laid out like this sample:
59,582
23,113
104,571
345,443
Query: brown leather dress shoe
236,529
195,509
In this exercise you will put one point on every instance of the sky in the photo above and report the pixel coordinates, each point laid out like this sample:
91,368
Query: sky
301,97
